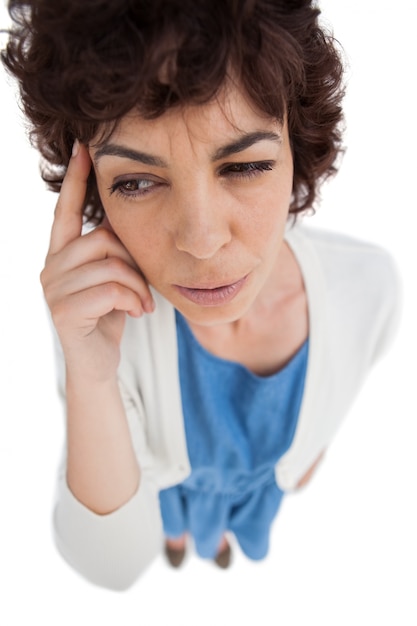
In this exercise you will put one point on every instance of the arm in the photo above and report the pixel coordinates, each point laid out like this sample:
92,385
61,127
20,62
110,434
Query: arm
106,513
111,550
102,470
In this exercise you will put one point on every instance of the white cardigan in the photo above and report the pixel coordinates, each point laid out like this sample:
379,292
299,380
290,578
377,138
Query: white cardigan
354,302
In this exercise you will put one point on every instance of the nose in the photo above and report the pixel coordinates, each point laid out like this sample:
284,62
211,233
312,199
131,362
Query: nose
202,225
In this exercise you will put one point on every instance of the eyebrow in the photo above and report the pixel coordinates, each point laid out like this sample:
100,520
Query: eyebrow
112,149
238,145
245,141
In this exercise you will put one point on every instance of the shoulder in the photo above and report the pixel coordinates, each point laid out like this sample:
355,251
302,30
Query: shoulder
360,282
341,253
348,263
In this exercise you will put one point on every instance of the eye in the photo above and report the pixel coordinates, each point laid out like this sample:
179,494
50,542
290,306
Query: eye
247,170
133,187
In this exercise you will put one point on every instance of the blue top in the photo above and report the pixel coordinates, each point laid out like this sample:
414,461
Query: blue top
237,426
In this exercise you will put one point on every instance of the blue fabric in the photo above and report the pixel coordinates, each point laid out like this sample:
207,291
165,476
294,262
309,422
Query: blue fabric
237,426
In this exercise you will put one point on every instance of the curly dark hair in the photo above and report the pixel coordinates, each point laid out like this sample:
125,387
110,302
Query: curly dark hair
82,65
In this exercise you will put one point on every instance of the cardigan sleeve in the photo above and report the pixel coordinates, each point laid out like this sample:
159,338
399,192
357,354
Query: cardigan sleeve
392,311
110,550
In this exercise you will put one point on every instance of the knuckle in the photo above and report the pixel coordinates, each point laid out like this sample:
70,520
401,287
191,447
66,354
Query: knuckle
45,278
112,289
42,278
59,312
103,236
116,265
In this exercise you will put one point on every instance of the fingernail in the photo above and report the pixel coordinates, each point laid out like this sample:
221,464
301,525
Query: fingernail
75,148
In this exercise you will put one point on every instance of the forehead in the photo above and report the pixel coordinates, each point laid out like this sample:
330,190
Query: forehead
226,116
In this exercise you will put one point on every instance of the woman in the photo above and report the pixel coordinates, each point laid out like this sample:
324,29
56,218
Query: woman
210,345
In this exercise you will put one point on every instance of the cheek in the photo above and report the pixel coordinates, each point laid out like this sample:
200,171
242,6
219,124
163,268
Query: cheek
142,241
269,213
115,222
268,230
116,225
115,216
106,224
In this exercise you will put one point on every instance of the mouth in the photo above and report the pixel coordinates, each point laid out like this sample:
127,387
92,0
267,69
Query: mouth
215,296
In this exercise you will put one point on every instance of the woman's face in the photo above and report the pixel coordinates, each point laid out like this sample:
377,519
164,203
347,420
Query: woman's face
200,198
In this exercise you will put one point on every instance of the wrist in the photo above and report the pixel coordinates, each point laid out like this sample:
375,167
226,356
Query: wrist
77,377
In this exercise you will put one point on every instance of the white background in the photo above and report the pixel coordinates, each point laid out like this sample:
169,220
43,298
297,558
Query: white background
344,550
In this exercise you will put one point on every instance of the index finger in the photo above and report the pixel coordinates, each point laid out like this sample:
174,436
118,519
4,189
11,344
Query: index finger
68,219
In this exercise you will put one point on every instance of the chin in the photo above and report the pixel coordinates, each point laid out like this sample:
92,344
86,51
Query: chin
214,315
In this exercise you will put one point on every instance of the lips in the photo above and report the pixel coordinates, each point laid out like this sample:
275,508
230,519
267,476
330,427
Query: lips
212,297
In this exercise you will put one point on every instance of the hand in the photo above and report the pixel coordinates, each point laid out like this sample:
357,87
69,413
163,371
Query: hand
90,282
309,474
